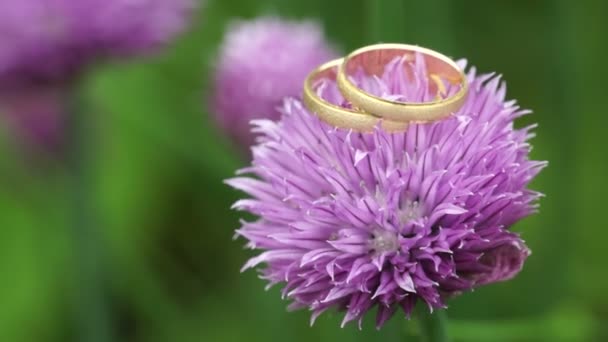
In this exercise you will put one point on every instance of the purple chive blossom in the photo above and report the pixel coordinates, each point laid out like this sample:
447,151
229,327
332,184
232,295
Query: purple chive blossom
34,119
355,221
46,40
261,62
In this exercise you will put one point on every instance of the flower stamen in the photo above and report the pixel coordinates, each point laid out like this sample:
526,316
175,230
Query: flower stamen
411,210
384,241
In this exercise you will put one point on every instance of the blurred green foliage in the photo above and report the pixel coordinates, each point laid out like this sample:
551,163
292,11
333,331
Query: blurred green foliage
159,161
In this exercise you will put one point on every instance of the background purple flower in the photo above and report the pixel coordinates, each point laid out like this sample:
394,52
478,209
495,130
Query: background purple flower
42,40
260,62
354,221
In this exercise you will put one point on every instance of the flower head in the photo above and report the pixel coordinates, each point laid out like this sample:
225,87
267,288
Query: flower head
45,40
261,62
353,221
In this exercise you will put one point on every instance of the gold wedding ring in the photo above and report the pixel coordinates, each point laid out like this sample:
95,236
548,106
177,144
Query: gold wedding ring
373,59
337,115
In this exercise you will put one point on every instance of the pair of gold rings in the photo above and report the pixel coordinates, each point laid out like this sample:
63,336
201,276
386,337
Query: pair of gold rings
369,110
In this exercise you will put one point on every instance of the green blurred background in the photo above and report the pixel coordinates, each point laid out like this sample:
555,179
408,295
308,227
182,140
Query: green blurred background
170,266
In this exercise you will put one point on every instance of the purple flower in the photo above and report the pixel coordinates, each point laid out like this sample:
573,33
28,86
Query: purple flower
353,221
46,40
261,62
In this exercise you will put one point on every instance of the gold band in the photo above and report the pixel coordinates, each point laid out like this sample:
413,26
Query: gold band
372,59
336,115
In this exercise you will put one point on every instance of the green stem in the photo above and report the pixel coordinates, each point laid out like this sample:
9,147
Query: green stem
91,312
433,326
385,21
430,25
